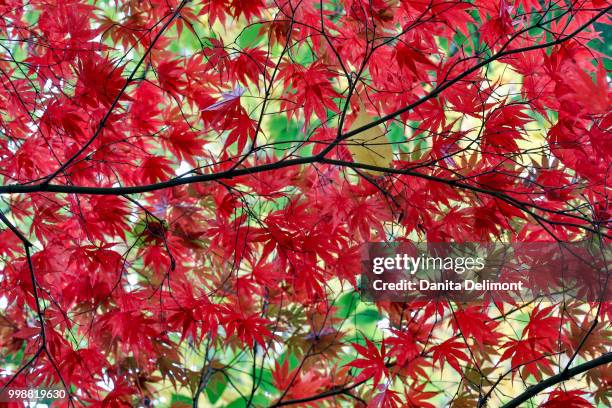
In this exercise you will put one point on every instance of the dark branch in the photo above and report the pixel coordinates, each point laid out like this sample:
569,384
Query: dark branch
556,379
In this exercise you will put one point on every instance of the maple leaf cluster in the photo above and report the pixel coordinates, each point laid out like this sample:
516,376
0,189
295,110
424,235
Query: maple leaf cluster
186,187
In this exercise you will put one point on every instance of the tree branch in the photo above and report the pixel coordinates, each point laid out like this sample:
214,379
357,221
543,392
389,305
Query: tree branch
555,379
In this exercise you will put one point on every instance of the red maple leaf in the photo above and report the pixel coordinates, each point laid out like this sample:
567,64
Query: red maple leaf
451,352
372,363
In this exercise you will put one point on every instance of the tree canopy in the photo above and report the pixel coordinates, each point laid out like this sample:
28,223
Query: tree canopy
186,188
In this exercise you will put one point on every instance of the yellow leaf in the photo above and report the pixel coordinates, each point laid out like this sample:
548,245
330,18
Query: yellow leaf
370,146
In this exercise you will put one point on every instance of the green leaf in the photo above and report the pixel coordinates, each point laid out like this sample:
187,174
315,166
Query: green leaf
180,399
396,134
283,131
238,403
250,37
347,304
216,386
367,316
258,401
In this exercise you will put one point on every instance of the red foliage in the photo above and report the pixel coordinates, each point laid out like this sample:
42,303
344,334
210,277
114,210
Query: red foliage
182,207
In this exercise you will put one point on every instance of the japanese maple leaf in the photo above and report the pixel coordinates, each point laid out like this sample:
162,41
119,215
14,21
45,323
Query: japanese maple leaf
467,99
190,313
297,384
475,324
528,354
347,265
77,363
249,329
120,396
92,89
372,363
502,128
386,398
431,114
566,399
67,116
145,110
281,376
596,96
416,397
312,89
130,327
48,215
216,10
248,8
229,101
364,216
228,114
9,243
183,142
498,26
243,129
483,221
408,55
170,76
249,65
542,324
451,352
109,214
404,346
155,168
